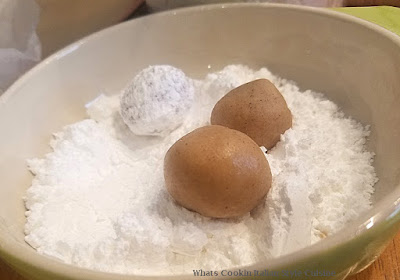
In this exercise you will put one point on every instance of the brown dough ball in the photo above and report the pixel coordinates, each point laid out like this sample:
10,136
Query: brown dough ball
217,172
257,109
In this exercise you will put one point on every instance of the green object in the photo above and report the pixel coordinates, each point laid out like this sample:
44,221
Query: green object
387,17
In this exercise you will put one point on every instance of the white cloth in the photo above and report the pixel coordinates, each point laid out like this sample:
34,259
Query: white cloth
20,47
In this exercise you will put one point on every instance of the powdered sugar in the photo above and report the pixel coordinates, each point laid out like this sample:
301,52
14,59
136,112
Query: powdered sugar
98,201
157,100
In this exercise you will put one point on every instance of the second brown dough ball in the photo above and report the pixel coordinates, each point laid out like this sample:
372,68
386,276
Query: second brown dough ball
257,109
217,172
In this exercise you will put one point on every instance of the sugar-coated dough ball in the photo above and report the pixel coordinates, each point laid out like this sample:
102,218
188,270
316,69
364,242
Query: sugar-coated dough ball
157,100
217,172
257,109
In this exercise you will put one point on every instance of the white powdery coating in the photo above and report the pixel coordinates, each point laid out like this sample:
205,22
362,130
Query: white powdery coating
157,100
99,201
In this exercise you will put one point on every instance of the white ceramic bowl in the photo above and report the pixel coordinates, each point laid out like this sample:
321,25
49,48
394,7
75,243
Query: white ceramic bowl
356,63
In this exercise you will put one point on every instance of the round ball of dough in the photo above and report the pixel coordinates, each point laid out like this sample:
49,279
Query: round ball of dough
157,100
217,172
257,109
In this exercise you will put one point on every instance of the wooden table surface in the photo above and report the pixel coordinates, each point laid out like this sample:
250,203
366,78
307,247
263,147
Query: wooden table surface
387,267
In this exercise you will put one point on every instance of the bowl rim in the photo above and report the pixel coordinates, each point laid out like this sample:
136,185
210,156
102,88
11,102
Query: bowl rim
384,211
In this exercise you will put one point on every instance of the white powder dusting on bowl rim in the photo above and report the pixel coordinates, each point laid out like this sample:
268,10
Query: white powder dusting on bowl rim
98,200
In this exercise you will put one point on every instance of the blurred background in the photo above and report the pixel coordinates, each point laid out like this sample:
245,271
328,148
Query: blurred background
31,30
64,21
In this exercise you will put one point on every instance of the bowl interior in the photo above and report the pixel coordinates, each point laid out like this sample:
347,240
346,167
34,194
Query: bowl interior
354,65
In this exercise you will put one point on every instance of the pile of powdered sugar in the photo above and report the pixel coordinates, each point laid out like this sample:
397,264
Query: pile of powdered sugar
98,200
